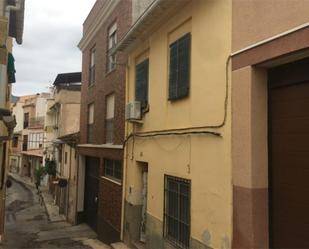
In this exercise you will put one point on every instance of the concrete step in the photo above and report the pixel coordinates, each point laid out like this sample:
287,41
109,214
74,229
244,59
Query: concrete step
119,245
139,245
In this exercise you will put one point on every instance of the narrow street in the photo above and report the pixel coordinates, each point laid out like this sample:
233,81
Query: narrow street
27,224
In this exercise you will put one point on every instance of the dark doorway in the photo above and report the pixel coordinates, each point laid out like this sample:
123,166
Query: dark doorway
289,156
92,191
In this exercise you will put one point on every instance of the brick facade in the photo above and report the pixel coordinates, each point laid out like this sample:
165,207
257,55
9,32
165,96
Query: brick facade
110,194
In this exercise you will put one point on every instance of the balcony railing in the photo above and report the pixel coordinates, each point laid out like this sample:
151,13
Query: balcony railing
37,122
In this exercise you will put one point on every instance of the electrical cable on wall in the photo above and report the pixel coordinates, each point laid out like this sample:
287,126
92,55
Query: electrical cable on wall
189,130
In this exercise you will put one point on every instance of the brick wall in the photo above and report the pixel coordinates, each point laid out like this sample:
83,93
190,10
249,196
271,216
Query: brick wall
110,194
106,83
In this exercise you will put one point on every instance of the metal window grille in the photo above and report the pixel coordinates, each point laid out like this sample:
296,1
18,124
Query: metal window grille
113,169
177,211
179,68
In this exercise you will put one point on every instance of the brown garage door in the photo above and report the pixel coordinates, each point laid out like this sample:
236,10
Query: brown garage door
289,166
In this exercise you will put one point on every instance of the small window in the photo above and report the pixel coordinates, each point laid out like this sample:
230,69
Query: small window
65,157
15,142
90,123
92,66
112,41
26,120
109,119
141,82
177,211
179,72
113,169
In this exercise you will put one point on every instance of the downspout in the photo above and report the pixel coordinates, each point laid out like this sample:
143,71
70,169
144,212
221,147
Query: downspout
125,151
3,67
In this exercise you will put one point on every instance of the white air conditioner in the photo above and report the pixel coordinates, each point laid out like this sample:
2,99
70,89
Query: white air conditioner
134,111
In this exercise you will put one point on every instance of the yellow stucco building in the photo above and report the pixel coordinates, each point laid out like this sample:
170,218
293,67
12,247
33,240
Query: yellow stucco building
177,173
11,26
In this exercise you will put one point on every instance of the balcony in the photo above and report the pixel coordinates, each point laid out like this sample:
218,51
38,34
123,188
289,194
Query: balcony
37,122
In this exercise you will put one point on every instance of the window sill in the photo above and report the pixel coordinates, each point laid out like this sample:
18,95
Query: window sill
110,72
111,180
91,86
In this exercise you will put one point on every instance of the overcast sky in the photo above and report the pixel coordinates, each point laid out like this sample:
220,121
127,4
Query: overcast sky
52,31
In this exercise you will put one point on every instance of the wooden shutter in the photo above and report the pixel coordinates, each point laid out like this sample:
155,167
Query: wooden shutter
179,75
141,83
173,77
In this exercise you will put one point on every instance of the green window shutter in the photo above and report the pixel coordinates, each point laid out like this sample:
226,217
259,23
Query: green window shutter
173,74
141,82
11,68
179,75
184,46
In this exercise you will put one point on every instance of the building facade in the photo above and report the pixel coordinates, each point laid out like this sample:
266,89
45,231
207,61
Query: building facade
62,127
11,26
15,158
102,118
269,125
178,188
33,134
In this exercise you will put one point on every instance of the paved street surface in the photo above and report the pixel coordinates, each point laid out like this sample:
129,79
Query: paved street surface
27,225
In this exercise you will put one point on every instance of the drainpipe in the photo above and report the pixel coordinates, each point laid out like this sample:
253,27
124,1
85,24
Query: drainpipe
3,68
125,161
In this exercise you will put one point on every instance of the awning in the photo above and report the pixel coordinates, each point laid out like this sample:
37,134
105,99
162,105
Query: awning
11,68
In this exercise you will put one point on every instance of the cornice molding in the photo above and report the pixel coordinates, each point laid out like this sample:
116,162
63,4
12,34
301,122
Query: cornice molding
100,20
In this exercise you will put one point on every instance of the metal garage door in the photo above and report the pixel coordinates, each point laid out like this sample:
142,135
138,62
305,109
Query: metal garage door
289,166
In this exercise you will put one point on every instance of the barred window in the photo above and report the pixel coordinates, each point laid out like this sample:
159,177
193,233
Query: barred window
113,169
179,69
141,82
177,211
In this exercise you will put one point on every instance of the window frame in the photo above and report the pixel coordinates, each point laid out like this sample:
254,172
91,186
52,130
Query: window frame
109,119
90,124
177,73
169,238
92,66
112,39
15,142
113,175
139,67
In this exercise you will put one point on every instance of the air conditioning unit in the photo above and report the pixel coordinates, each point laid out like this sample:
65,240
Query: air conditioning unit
134,111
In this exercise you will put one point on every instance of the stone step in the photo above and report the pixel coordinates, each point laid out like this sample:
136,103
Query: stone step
119,245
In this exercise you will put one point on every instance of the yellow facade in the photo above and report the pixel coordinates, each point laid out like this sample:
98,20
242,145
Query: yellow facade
204,159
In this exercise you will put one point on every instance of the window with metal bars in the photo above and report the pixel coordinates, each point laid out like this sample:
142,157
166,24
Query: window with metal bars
179,68
113,169
177,211
141,82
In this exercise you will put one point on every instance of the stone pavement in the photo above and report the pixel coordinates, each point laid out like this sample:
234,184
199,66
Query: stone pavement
28,225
